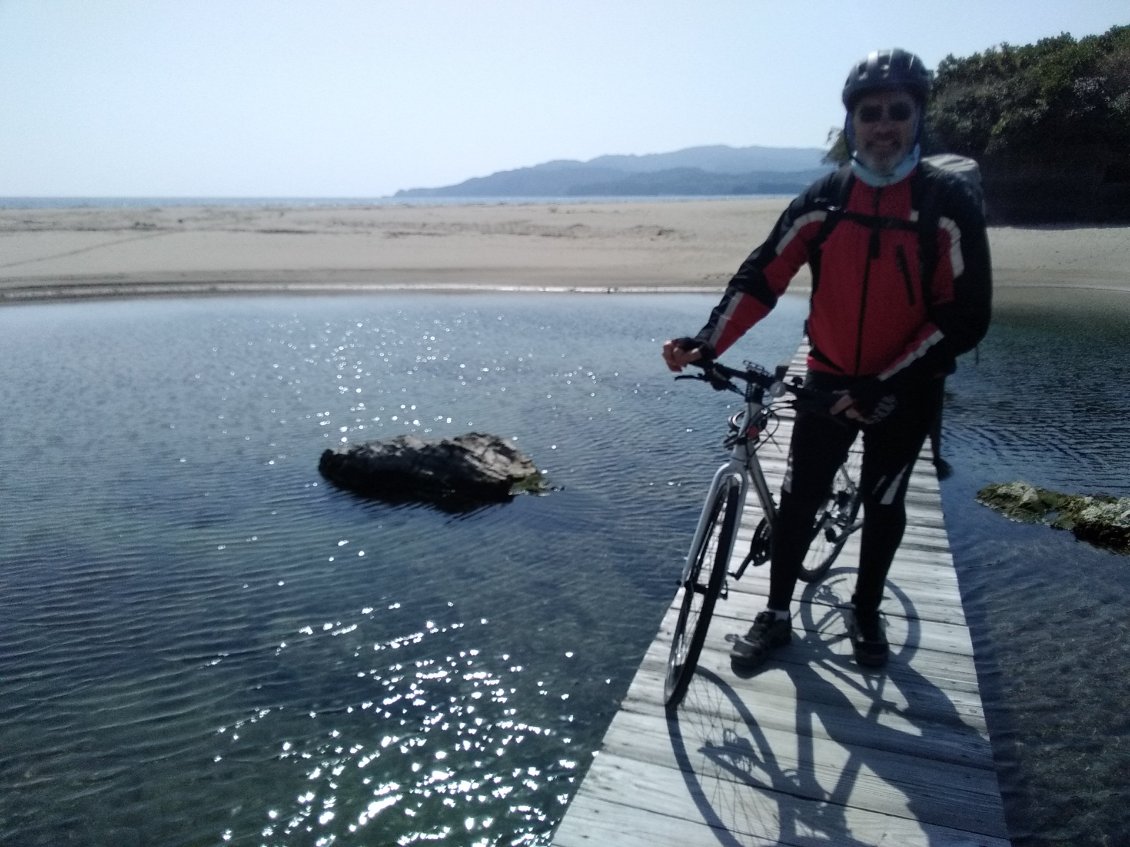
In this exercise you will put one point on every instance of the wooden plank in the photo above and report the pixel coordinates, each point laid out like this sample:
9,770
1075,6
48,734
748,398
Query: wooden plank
672,808
797,673
811,749
829,717
733,745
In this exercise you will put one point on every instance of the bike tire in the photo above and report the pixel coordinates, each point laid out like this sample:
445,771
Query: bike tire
700,591
836,519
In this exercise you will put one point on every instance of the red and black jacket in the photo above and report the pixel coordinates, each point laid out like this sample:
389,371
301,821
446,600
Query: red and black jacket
901,276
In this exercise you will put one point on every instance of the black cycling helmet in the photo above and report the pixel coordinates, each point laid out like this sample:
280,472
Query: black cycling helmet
886,70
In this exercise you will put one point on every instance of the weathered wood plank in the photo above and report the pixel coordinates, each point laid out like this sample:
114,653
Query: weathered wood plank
907,693
845,720
634,804
733,745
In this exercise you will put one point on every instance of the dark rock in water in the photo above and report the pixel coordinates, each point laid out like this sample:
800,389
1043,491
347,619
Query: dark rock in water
464,471
1100,520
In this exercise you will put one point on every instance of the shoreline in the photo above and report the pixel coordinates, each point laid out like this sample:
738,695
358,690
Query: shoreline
631,247
1080,295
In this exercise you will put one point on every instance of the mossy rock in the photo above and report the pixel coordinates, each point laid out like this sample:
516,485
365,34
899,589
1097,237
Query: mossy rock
1097,519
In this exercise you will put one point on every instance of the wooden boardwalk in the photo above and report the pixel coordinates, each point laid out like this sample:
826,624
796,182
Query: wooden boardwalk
811,749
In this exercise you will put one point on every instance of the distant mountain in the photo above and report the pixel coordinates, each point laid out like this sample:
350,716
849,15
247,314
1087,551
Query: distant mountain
695,171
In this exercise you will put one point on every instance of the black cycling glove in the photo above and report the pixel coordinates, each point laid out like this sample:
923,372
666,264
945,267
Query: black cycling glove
688,343
873,400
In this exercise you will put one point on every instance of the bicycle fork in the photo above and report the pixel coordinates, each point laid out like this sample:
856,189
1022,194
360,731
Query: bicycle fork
730,470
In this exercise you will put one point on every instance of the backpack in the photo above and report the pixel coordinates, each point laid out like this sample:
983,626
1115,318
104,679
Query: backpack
964,167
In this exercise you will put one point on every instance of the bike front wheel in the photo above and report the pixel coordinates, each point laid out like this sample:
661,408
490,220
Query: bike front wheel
700,590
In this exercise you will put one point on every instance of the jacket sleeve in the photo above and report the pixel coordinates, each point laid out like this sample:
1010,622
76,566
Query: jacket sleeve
765,275
960,291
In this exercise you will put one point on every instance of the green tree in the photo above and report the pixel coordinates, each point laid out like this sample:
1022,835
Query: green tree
1055,98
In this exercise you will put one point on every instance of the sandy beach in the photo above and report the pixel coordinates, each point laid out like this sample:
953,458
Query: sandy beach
683,245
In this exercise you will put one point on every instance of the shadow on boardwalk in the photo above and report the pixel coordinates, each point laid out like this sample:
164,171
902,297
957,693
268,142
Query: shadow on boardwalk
844,764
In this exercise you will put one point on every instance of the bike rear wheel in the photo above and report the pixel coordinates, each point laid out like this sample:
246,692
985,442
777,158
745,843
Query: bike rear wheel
699,592
836,519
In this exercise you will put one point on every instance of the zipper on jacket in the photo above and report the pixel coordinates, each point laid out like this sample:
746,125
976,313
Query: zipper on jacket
872,254
904,269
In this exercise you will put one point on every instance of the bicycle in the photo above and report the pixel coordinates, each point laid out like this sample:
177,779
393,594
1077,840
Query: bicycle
706,569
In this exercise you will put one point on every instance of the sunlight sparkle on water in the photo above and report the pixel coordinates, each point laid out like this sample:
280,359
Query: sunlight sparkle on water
437,702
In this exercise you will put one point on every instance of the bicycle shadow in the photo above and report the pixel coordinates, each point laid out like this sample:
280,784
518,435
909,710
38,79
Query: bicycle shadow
844,737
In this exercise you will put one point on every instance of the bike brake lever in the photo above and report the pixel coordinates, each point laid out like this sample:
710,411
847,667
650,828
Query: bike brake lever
718,383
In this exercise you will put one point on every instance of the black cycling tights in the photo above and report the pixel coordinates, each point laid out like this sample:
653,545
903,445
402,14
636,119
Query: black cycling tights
819,446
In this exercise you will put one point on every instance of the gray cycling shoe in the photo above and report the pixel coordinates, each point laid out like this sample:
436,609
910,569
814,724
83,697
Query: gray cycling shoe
767,633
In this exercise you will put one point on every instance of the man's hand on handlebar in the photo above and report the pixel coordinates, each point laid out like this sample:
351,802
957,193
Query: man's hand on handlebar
866,403
680,352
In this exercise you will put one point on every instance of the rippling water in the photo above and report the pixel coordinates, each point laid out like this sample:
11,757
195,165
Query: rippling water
203,643
1046,404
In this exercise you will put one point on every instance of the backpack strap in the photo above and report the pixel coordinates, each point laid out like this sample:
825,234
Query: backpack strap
928,218
835,206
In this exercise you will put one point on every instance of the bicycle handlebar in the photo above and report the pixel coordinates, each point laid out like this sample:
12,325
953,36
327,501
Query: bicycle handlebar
721,377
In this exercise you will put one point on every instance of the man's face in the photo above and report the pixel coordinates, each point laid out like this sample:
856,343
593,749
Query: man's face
884,125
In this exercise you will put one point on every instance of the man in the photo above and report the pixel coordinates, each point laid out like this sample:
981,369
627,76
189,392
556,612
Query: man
900,287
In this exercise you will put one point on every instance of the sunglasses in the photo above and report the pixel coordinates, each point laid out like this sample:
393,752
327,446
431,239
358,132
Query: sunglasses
897,112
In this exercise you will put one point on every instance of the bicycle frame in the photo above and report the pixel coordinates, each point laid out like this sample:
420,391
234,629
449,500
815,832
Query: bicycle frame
745,466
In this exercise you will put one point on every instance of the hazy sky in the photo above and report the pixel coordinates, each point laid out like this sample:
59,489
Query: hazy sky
358,98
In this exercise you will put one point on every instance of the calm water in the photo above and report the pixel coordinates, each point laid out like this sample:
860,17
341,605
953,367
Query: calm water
202,643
